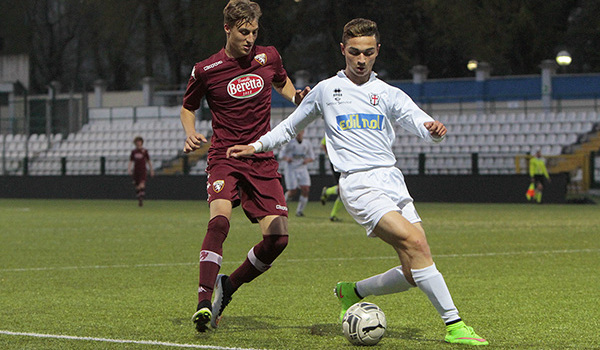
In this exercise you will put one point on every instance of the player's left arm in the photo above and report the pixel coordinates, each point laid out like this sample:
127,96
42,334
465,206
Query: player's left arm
287,90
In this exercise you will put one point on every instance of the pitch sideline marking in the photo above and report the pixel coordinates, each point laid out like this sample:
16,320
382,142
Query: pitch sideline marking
531,252
121,341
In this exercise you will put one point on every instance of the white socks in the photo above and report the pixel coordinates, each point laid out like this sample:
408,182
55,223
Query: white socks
301,204
432,283
429,280
389,282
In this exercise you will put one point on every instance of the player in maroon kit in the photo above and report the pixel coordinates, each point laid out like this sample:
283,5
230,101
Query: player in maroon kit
137,168
236,82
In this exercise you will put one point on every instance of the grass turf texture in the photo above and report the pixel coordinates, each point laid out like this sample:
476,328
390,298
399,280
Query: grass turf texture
524,276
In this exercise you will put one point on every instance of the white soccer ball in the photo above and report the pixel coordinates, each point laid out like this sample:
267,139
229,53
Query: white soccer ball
364,324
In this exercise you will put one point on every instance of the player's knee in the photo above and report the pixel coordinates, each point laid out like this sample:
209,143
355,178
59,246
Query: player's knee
418,246
275,243
219,224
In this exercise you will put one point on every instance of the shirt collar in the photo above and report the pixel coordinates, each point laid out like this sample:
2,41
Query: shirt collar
342,74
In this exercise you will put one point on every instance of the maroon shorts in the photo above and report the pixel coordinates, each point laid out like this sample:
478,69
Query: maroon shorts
139,177
254,182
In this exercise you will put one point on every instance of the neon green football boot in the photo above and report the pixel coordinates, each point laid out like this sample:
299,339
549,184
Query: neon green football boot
202,317
346,294
460,333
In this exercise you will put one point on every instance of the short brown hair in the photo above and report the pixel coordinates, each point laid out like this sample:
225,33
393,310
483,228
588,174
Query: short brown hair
360,27
238,12
138,138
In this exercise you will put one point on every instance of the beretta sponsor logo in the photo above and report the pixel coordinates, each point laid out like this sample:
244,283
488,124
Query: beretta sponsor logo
245,86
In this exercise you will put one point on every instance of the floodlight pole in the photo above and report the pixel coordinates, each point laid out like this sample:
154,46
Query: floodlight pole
482,73
548,70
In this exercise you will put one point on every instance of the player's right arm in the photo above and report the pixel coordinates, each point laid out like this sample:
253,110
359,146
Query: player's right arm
192,98
193,139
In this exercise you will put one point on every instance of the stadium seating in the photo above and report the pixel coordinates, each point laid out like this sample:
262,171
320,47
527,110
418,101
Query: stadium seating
496,138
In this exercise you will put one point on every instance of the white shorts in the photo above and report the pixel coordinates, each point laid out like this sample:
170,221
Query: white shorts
369,195
296,177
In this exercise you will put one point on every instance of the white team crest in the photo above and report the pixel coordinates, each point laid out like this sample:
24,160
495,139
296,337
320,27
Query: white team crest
261,58
218,185
374,99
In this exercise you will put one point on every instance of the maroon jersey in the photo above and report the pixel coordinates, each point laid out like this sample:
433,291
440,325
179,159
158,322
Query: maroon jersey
238,92
139,157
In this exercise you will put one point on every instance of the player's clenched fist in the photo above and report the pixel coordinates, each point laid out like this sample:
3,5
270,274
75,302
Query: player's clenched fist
194,142
436,128
240,151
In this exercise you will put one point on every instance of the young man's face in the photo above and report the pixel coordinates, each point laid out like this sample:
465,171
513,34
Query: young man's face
240,39
139,144
360,54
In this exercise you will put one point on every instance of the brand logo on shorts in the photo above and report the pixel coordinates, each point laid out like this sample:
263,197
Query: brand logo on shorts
218,185
245,86
262,59
281,207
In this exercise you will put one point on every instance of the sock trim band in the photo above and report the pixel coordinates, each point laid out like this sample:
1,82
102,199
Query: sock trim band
259,265
209,256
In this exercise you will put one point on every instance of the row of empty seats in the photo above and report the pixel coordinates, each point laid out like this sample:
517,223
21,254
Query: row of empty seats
497,137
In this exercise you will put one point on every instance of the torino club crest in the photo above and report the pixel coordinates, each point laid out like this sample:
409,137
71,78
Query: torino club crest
261,59
218,185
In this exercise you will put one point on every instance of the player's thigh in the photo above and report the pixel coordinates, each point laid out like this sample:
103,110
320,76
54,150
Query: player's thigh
261,191
395,229
303,177
220,207
291,180
273,225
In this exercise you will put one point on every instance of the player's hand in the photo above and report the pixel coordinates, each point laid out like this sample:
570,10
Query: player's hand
194,142
436,128
238,151
300,95
151,173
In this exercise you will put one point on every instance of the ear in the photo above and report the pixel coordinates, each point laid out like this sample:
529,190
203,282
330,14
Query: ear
227,28
342,49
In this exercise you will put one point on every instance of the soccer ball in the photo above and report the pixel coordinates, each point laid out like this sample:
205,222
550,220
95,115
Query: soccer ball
364,324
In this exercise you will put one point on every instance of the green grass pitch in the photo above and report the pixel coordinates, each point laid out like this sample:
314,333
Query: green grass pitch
114,276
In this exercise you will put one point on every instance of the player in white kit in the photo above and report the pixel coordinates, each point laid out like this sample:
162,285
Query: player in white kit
358,110
296,155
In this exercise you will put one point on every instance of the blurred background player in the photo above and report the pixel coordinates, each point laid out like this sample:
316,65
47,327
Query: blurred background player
333,190
236,82
297,154
358,110
539,175
138,160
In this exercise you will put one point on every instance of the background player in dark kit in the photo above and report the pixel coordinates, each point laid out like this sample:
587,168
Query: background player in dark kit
137,168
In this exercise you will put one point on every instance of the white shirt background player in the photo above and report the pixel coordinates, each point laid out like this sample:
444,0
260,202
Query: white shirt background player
295,156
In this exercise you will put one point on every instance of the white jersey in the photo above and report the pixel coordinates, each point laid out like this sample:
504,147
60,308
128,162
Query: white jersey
358,121
298,152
